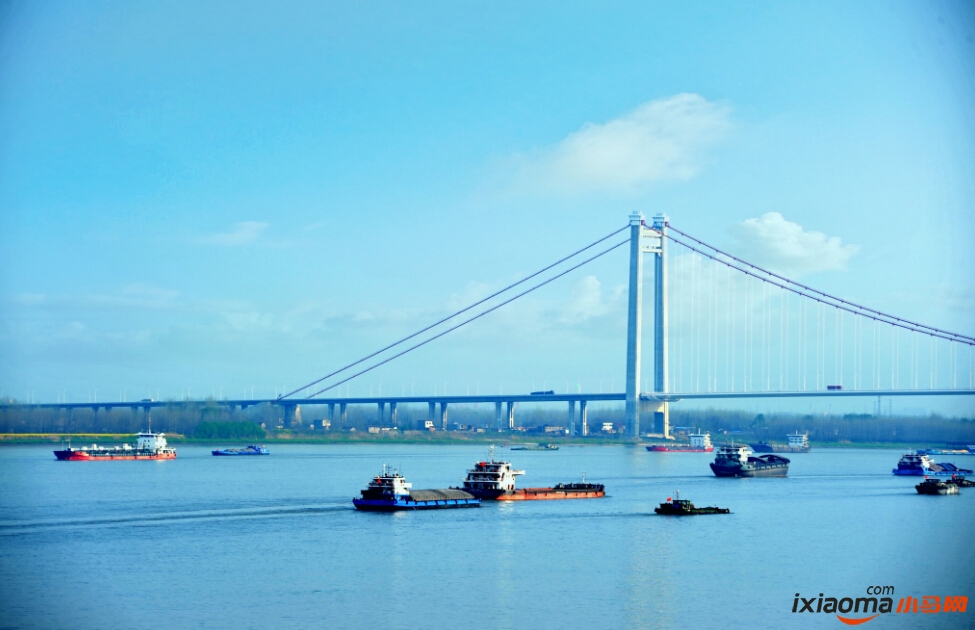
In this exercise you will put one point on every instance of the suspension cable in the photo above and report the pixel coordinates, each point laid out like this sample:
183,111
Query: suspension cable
453,315
823,294
846,306
467,321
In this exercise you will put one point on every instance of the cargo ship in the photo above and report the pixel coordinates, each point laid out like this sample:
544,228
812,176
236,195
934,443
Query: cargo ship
682,507
495,481
149,445
700,443
542,446
917,464
798,443
253,449
390,492
737,461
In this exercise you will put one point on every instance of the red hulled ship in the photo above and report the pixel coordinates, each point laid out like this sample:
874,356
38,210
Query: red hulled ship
149,445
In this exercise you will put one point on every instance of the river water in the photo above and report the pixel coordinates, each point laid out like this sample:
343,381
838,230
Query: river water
274,542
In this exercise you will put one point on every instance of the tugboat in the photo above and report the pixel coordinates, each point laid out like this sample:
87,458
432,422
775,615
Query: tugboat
495,481
253,449
917,464
148,445
937,486
390,492
683,507
700,443
735,461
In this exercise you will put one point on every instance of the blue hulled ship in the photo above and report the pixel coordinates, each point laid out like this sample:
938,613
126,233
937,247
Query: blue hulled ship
253,449
390,492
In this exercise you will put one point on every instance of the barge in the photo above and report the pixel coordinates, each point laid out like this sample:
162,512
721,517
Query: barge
699,443
390,492
253,449
918,464
491,480
737,461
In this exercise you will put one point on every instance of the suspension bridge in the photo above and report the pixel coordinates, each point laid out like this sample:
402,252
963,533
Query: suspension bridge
723,328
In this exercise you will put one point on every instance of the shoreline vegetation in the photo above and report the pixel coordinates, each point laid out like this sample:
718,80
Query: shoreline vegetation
404,437
210,423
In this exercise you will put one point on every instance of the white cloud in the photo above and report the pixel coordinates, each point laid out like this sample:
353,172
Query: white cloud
473,292
586,301
660,140
241,234
785,247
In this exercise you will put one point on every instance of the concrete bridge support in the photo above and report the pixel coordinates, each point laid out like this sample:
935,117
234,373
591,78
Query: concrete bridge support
572,418
660,411
634,326
343,413
432,412
497,416
382,413
584,417
290,415
331,414
443,416
392,414
511,416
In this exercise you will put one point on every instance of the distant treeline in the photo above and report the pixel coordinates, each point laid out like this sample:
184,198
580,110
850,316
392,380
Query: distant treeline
206,417
244,430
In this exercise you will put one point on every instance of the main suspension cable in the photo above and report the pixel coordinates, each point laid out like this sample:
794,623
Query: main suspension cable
453,315
825,295
467,321
846,306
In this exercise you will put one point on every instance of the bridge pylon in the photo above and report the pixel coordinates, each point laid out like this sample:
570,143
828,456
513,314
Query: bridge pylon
650,241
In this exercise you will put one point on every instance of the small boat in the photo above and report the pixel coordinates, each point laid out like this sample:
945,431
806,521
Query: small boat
700,443
253,449
543,446
937,486
737,461
917,464
390,492
683,507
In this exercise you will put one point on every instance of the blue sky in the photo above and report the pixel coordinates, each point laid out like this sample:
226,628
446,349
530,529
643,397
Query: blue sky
247,195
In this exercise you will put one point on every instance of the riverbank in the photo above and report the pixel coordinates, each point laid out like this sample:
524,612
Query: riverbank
406,437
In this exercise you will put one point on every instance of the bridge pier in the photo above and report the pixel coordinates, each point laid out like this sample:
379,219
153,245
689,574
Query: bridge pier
511,415
572,418
432,412
382,413
443,416
584,417
290,416
660,412
343,413
392,414
497,415
331,414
